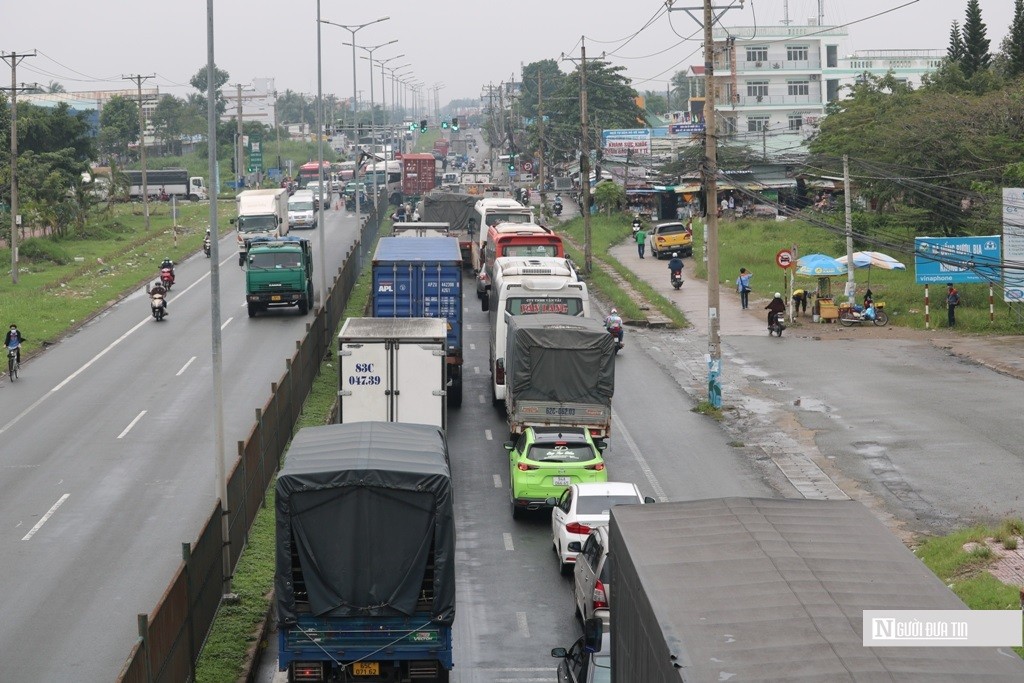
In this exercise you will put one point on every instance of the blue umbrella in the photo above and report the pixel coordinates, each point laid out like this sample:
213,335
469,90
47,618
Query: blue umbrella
819,265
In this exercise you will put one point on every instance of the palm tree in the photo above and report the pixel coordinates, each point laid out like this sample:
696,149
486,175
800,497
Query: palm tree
54,86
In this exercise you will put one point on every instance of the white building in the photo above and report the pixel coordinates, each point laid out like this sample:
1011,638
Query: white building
258,100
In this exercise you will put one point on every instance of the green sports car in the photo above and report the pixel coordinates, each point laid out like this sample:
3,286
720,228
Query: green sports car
543,462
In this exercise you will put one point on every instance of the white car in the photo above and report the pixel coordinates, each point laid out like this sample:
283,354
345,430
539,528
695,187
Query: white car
583,507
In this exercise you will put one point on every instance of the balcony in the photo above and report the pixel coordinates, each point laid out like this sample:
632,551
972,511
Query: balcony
754,101
766,32
780,65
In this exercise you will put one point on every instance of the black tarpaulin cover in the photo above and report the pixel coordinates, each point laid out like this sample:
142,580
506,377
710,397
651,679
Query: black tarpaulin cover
450,207
361,504
562,358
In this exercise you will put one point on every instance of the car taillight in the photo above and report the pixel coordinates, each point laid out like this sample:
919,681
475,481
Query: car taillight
499,371
577,528
598,467
523,467
600,599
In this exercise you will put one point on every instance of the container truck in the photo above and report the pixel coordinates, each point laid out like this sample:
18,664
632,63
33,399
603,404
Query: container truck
422,278
365,554
393,370
418,175
459,211
173,182
772,590
279,272
261,213
559,371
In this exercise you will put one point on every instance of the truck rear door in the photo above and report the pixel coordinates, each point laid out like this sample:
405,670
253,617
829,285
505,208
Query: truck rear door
365,383
416,367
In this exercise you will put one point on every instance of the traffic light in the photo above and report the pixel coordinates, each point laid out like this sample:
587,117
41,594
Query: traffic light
423,125
412,127
511,166
455,123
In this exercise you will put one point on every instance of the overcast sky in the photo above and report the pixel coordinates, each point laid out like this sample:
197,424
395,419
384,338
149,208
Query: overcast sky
463,44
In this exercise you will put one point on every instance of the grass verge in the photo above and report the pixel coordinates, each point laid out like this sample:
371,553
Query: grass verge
237,626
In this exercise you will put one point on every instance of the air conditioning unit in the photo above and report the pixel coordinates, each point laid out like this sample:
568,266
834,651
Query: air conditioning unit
815,77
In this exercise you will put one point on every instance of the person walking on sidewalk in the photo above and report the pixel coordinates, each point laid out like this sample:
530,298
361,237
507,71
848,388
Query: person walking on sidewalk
641,241
952,301
743,287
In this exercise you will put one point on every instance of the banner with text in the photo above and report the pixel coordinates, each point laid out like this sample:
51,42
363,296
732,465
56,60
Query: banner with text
623,140
957,259
1013,244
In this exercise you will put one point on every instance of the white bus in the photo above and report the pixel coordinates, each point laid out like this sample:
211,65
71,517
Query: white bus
491,211
389,179
527,286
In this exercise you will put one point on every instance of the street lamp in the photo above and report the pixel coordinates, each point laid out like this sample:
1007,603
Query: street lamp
373,135
352,29
389,129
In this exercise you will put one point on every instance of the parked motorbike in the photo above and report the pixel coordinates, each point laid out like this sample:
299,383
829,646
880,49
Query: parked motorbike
614,330
157,304
778,325
167,277
874,313
677,279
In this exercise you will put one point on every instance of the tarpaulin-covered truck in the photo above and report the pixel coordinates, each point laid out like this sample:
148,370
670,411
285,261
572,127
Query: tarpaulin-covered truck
559,370
365,555
459,212
750,589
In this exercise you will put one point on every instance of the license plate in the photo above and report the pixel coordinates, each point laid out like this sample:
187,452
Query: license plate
561,481
275,297
366,669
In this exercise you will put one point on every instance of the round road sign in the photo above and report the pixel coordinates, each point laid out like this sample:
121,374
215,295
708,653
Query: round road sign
784,259
528,166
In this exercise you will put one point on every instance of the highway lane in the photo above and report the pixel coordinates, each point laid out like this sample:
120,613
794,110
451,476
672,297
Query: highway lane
115,425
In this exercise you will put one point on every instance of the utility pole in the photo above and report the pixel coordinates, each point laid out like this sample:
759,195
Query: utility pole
850,284
14,58
585,160
277,129
540,139
138,78
239,152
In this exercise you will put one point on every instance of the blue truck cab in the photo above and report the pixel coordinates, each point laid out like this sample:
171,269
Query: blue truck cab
421,277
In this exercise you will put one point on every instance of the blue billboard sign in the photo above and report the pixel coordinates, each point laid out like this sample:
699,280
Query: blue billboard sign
957,259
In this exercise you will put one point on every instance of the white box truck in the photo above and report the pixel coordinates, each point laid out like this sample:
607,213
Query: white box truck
393,370
261,213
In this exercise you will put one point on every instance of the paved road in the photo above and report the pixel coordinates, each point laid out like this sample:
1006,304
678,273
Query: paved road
107,463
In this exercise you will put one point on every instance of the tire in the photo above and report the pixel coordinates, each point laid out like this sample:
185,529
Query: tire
253,308
564,568
517,513
485,303
193,198
241,260
881,319
495,401
303,306
846,320
455,393
12,368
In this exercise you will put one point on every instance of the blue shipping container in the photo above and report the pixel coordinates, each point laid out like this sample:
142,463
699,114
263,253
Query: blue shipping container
420,277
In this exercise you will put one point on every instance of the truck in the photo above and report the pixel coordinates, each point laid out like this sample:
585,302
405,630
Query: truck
261,213
442,146
279,272
418,176
559,371
772,589
364,573
422,278
393,370
420,229
174,182
459,211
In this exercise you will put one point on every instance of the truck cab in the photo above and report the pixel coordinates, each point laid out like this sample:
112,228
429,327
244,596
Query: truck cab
279,272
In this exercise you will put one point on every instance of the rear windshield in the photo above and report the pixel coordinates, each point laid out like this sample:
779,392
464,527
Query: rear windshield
600,505
495,217
530,250
550,452
671,229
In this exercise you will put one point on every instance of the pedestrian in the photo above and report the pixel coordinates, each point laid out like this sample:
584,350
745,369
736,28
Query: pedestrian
799,301
952,301
641,241
743,287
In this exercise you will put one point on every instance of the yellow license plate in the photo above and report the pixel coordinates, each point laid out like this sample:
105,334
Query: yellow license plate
366,669
276,297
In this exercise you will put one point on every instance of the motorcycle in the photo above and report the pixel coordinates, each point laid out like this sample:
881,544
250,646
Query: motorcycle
677,279
167,277
157,305
556,208
778,325
636,226
848,315
206,247
615,330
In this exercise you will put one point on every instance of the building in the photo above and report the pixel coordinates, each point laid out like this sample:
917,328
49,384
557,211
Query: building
258,100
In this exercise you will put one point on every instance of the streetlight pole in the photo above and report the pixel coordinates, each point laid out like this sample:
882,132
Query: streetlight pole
387,121
373,134
353,29
320,159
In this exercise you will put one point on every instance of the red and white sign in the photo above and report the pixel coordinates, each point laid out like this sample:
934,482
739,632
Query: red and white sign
528,166
784,259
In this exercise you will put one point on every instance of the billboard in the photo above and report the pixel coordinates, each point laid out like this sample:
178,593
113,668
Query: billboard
622,140
957,259
1013,244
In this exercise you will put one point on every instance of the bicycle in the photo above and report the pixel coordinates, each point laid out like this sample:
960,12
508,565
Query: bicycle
12,363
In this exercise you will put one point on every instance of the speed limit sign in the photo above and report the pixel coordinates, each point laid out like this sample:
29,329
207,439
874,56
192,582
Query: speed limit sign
784,259
528,166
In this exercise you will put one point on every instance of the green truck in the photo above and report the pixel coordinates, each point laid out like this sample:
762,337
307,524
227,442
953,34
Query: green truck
279,272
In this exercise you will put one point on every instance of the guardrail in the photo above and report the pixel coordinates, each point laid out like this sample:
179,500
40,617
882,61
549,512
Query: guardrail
171,636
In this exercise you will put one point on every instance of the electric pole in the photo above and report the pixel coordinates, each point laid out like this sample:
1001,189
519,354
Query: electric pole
540,139
585,159
239,152
14,58
138,79
850,284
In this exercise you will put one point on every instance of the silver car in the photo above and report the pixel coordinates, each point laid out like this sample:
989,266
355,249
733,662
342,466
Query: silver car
591,577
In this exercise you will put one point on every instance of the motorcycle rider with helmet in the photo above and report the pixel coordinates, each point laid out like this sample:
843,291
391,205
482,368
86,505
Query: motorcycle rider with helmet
774,307
675,265
169,265
614,321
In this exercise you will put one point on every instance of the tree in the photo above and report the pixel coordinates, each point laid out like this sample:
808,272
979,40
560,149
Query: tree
198,81
955,51
685,86
119,126
169,122
610,196
551,80
655,103
976,55
1013,46
54,86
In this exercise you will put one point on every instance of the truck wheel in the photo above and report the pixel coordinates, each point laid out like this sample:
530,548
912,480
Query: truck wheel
455,393
193,198
241,260
252,310
303,306
442,675
485,303
495,401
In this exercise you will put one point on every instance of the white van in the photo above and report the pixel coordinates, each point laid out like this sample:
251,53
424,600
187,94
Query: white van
527,286
300,211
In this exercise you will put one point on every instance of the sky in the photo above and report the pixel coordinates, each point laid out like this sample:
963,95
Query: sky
461,46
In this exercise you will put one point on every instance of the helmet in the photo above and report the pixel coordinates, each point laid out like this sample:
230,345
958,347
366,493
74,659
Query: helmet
615,311
675,254
777,295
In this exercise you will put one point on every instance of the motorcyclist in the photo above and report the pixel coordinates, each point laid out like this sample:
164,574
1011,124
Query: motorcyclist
13,340
158,289
774,307
169,264
676,264
206,242
637,223
614,321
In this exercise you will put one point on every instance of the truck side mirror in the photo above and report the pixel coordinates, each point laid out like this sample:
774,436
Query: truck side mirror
593,629
558,652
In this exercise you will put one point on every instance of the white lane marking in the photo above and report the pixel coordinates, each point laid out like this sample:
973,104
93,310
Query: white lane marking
488,435
497,481
225,323
185,366
524,628
42,520
507,538
131,424
644,467
482,399
472,347
476,369
17,418
469,327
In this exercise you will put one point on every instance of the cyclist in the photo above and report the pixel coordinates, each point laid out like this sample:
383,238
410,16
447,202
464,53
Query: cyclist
13,340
